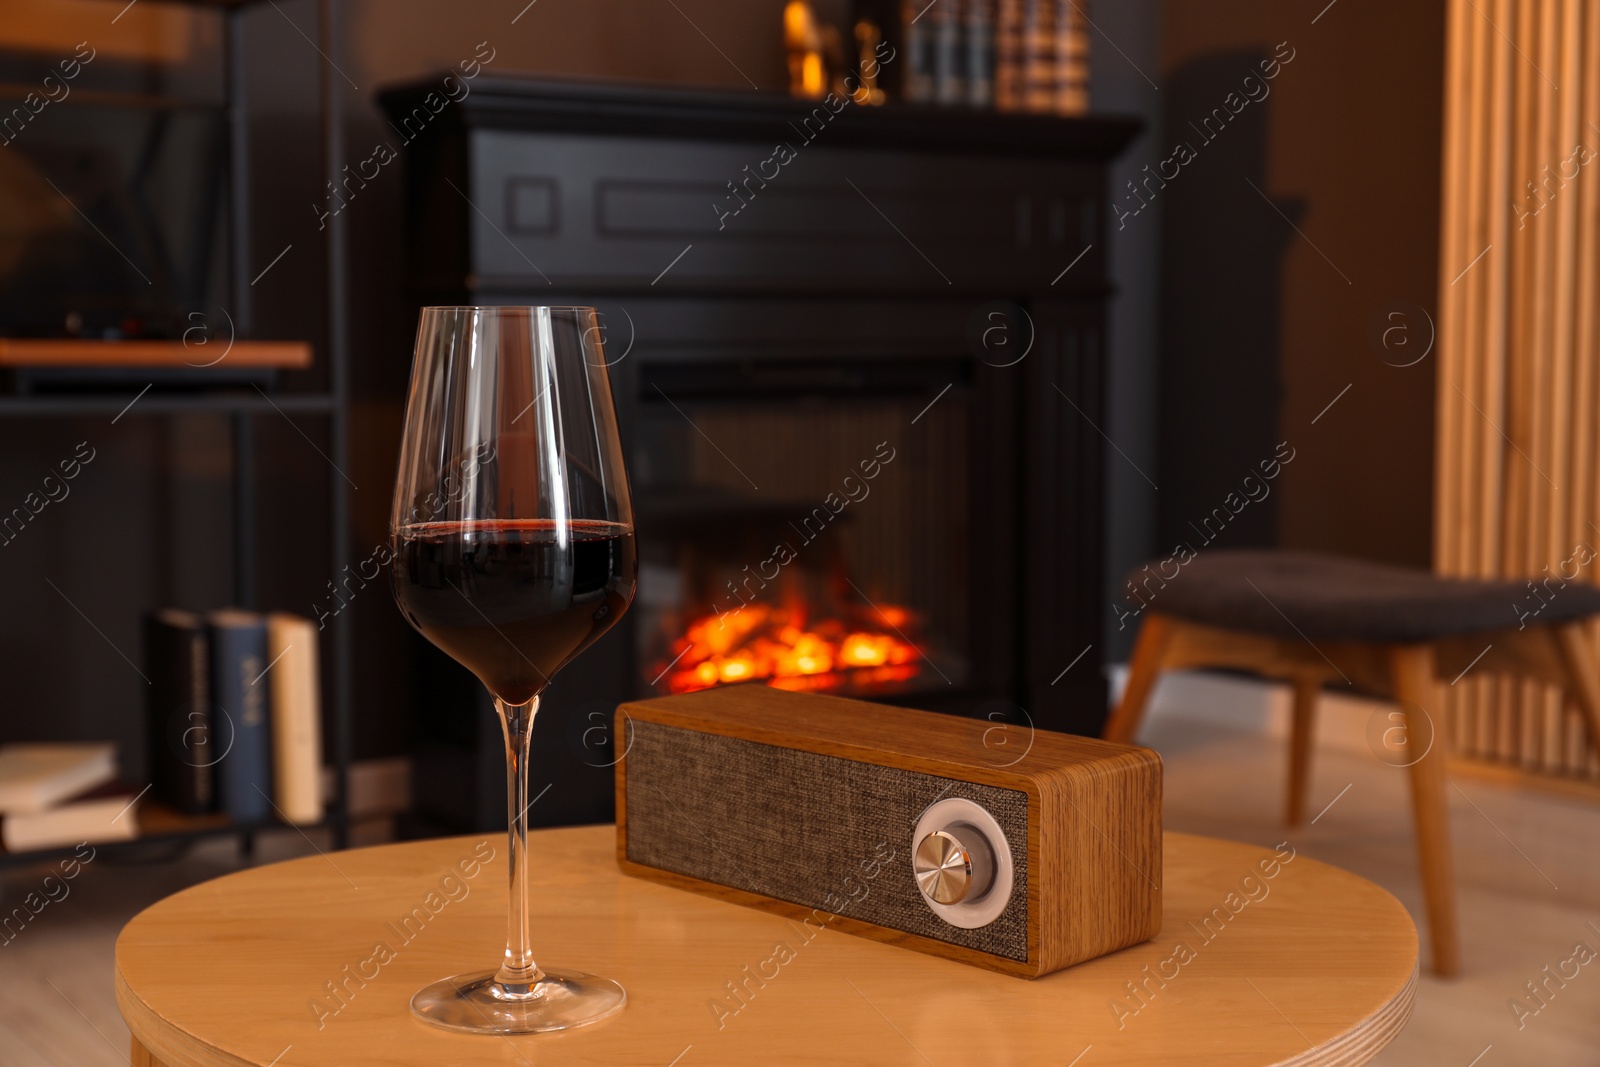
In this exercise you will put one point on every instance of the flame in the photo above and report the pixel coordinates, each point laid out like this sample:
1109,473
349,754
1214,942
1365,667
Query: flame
760,642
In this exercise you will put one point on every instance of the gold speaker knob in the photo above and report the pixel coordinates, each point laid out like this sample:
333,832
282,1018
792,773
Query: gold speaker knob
953,865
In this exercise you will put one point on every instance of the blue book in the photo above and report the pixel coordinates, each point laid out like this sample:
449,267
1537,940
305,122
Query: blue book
241,705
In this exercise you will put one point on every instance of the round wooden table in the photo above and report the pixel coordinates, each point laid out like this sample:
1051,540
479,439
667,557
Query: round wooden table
312,963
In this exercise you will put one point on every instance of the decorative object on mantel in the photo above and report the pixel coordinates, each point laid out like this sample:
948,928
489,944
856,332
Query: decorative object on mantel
802,41
869,38
1011,55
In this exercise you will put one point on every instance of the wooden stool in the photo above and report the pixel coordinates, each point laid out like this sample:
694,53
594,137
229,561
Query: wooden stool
1312,620
312,963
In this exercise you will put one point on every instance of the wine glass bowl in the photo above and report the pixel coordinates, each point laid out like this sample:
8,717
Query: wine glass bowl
513,600
513,545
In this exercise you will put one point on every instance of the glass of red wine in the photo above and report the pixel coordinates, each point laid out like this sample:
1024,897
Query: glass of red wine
512,535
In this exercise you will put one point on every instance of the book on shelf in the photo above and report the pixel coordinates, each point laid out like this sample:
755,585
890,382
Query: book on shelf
296,701
918,43
108,812
1039,41
979,48
240,705
179,739
1042,56
36,776
1072,58
949,54
953,47
235,715
1009,53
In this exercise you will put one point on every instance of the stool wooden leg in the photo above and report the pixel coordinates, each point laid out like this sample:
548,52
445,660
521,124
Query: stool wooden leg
139,1056
1413,668
1302,731
1143,670
1583,678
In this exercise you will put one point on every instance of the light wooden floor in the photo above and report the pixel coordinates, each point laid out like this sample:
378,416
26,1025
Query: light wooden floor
57,1008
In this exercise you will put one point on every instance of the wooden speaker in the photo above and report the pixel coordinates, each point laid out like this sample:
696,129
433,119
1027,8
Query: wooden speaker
993,844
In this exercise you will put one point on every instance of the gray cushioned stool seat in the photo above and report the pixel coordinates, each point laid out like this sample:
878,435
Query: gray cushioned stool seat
1323,597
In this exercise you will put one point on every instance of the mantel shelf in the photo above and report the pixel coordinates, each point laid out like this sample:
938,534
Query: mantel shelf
602,108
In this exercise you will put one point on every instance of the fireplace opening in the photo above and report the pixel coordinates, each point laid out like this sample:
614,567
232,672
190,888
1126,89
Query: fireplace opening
787,648
797,618
802,544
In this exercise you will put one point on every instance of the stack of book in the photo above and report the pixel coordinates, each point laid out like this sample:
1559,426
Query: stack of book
235,723
1014,55
52,795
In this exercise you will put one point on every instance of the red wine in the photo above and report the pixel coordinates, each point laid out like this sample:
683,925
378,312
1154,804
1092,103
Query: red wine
510,600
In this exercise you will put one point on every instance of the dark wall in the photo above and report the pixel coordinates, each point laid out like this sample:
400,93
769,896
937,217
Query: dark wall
1263,326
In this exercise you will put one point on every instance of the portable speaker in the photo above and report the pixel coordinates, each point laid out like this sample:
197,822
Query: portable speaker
1018,850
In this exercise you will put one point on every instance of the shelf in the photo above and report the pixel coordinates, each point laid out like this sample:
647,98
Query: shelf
158,825
64,404
223,5
53,353
18,91
158,821
530,103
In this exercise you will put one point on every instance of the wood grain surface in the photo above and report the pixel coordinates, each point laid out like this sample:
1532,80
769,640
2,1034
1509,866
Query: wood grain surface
1310,965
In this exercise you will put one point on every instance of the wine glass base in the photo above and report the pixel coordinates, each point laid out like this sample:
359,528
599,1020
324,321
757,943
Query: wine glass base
478,1004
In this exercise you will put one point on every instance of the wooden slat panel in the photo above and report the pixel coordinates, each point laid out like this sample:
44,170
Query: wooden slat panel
1584,426
1449,517
1543,401
1518,409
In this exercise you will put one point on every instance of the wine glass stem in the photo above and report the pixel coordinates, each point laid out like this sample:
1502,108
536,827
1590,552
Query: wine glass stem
518,971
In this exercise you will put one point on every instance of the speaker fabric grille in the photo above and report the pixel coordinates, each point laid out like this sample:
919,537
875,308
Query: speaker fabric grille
799,826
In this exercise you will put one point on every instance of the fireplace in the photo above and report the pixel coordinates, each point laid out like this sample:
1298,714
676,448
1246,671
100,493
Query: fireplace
860,416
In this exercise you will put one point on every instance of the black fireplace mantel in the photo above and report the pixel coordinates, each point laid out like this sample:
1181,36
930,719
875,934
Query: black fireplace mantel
524,182
640,110
875,259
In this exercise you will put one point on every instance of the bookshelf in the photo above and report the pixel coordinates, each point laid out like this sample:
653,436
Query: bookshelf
241,405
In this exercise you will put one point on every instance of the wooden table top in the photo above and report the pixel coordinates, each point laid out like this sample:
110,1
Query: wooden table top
1312,965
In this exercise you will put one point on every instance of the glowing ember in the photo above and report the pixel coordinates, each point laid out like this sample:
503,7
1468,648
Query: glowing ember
760,642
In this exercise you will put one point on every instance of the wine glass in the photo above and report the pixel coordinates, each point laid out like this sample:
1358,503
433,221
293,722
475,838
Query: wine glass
512,535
